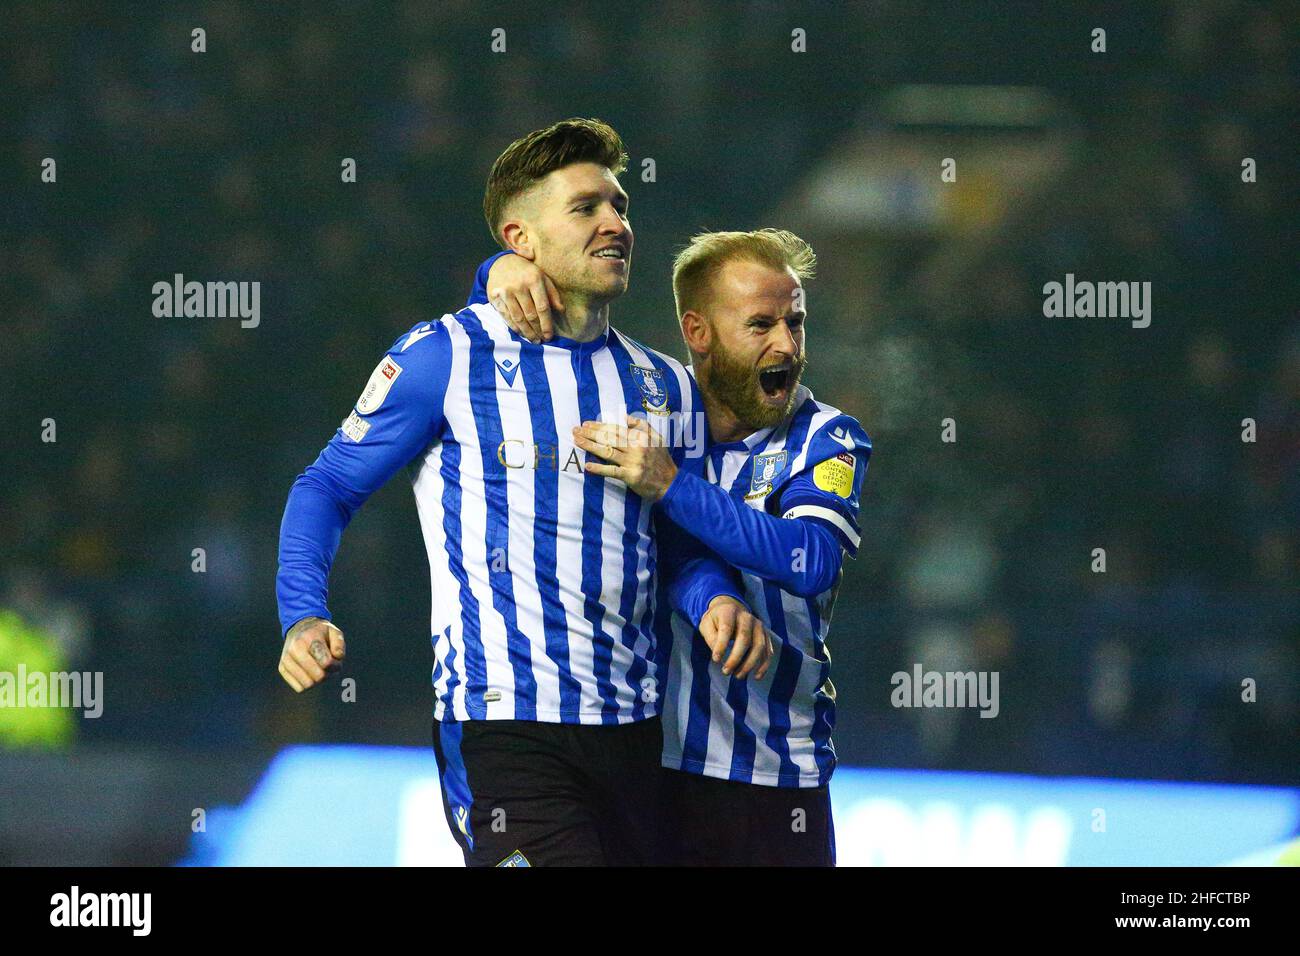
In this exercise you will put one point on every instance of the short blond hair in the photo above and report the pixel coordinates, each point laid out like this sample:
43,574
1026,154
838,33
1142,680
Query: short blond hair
706,253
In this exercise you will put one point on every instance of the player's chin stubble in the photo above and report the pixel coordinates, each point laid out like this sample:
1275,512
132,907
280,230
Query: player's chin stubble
587,283
735,384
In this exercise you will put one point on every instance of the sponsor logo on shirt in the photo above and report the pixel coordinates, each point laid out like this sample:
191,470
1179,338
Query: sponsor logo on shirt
355,427
835,475
842,436
508,369
416,336
376,390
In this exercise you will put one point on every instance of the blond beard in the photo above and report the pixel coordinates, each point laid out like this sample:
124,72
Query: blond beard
735,385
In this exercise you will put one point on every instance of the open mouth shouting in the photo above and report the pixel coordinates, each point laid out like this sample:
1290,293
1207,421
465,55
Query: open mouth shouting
776,381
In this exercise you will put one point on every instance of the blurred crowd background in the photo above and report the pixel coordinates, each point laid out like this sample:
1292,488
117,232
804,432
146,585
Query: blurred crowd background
1072,434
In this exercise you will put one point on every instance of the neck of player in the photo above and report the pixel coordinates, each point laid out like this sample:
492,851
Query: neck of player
582,320
724,426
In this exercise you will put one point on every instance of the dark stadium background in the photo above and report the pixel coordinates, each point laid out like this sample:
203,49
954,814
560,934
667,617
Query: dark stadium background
1073,434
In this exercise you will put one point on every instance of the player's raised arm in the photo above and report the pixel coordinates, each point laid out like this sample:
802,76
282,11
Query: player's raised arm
801,544
522,293
398,414
800,547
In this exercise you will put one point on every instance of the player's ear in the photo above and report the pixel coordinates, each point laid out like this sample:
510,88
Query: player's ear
518,238
696,331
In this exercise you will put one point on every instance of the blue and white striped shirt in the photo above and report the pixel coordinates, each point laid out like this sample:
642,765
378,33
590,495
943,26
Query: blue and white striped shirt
775,731
543,576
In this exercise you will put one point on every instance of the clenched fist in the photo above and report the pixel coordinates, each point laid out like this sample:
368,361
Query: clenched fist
729,622
313,648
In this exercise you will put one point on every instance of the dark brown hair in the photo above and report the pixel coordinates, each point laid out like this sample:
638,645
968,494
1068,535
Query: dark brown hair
531,158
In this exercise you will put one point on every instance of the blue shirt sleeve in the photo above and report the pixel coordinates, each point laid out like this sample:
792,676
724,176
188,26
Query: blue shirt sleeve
801,557
478,295
800,546
398,415
828,493
693,573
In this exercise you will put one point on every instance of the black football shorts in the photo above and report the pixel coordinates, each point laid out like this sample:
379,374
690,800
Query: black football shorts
727,823
524,793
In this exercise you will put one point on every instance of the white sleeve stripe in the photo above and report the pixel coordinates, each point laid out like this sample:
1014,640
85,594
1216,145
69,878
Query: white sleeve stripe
826,514
820,419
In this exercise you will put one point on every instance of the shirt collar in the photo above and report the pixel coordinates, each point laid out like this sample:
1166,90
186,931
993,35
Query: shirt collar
582,348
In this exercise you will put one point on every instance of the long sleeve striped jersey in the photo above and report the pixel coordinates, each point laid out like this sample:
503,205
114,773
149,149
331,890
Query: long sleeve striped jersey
543,576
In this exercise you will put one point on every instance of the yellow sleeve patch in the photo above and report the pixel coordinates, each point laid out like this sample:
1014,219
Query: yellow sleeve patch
835,475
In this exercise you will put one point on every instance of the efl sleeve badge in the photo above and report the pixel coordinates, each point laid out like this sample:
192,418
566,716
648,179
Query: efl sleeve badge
835,475
376,390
